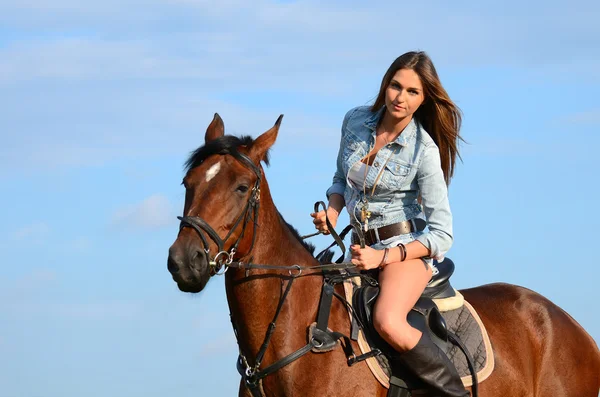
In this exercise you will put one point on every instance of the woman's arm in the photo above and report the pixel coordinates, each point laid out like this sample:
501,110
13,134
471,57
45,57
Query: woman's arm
335,193
434,194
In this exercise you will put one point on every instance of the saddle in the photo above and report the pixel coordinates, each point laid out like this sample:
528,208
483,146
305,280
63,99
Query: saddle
424,316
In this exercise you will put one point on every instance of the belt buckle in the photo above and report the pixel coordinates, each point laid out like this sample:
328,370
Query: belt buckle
413,225
376,238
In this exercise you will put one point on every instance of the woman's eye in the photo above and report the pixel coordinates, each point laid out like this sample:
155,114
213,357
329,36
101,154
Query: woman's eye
242,188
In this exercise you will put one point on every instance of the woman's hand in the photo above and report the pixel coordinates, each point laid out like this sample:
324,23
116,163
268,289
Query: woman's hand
321,223
366,258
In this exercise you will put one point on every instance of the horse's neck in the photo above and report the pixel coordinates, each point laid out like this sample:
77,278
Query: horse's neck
253,300
275,244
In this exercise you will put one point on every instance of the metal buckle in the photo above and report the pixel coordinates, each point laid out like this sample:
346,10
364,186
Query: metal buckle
256,195
298,269
413,225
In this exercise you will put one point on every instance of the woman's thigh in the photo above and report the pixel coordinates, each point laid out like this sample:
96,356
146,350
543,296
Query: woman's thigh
401,285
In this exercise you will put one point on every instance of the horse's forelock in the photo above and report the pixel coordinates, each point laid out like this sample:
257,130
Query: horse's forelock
227,144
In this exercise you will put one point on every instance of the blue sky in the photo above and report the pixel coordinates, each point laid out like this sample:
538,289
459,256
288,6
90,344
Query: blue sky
102,101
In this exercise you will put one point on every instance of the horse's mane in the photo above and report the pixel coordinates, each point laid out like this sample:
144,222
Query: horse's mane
327,255
229,144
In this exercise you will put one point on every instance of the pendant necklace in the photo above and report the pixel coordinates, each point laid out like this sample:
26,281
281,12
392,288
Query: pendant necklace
365,214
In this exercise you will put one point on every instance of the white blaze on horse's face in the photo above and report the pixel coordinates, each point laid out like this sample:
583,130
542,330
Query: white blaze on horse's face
213,171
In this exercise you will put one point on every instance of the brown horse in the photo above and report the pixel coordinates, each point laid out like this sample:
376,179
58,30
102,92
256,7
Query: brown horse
540,351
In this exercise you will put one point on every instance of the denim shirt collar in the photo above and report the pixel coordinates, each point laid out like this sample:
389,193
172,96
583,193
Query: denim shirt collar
409,131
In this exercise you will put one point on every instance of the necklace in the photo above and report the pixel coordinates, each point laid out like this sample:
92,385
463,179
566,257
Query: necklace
365,214
385,139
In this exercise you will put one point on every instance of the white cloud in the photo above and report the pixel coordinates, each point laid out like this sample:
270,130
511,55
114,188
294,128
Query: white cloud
146,84
262,43
37,277
94,310
94,131
34,232
591,117
12,290
224,344
152,213
79,244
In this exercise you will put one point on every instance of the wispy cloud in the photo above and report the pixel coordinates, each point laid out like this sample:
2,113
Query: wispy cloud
37,277
14,289
153,212
160,72
78,244
282,44
33,232
93,310
590,117
224,344
96,310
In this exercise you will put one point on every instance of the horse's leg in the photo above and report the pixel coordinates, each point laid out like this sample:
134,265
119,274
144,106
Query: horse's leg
539,350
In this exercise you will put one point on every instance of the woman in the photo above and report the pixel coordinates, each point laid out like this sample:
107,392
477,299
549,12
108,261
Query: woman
395,160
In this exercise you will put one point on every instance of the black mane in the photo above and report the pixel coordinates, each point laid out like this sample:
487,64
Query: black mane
310,247
227,144
327,256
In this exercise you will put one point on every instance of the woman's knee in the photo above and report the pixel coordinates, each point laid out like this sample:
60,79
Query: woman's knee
394,329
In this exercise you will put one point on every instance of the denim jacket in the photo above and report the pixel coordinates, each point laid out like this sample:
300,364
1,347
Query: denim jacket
410,165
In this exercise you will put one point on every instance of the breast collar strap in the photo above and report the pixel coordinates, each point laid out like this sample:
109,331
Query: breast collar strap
322,340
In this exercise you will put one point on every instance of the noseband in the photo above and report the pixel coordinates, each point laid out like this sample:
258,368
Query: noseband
223,258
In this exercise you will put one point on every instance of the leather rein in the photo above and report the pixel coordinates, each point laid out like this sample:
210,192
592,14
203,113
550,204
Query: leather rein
322,339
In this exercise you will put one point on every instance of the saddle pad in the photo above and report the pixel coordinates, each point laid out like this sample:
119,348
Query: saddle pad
462,321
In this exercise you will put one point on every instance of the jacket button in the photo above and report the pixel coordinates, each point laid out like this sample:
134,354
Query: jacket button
376,164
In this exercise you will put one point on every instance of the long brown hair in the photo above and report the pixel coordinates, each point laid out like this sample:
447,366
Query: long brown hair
440,117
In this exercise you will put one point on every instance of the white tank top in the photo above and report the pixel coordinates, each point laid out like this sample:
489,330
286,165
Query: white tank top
357,174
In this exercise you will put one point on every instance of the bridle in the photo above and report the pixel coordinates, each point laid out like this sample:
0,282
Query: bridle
224,257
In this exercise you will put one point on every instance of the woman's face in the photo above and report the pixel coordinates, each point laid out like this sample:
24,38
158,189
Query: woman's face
404,94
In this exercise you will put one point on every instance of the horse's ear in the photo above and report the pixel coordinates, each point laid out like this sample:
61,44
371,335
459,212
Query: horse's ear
264,142
215,130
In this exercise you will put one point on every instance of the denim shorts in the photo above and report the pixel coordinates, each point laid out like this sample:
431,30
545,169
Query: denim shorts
394,241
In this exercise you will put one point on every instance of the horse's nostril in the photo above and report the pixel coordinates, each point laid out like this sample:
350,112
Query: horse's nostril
172,266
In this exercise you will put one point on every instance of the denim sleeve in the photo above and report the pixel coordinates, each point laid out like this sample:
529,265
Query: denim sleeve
434,195
339,179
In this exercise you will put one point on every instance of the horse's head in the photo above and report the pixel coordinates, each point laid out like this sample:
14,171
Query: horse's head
222,185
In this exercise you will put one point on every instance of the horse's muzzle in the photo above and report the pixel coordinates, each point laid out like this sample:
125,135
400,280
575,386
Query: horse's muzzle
188,267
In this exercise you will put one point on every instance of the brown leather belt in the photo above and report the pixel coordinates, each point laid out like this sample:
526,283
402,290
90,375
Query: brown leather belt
395,229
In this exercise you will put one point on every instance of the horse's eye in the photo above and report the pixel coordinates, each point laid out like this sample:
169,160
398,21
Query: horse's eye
242,188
